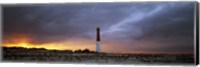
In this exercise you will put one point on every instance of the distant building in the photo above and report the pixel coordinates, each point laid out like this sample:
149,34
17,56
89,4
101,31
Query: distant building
98,47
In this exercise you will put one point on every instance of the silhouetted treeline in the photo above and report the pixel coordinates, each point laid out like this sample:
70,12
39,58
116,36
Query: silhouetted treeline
21,49
84,51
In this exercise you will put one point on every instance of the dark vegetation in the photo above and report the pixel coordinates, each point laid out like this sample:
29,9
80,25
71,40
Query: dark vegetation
87,56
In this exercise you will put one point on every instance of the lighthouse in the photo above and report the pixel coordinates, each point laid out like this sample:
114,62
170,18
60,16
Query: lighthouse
98,47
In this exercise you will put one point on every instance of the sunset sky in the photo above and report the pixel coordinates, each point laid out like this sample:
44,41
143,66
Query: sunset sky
141,27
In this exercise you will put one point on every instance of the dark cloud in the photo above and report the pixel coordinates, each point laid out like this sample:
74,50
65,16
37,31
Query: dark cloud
177,21
172,30
43,23
131,24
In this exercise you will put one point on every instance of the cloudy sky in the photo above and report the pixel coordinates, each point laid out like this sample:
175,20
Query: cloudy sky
125,27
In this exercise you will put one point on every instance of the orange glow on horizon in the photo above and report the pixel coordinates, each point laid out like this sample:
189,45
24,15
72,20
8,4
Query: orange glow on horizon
69,45
28,45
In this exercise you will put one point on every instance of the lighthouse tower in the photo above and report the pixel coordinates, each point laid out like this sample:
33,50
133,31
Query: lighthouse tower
98,47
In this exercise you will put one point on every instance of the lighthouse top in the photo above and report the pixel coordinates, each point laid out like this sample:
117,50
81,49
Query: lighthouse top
98,34
98,28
